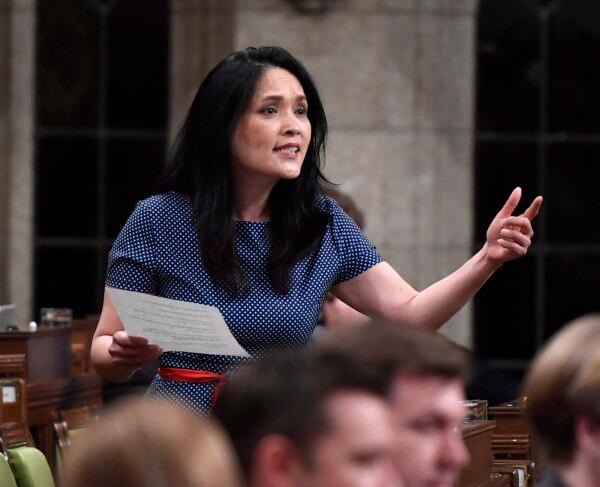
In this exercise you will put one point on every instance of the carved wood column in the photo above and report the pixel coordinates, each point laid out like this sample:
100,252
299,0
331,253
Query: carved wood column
202,33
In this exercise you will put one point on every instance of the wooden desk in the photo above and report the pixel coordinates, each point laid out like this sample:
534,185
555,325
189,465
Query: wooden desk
481,470
511,441
81,343
510,418
47,351
48,397
477,436
51,383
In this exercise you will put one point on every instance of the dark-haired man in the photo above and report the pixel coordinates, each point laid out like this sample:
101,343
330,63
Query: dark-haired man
299,419
427,374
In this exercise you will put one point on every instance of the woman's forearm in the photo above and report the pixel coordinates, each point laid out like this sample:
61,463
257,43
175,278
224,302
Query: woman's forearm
435,305
508,237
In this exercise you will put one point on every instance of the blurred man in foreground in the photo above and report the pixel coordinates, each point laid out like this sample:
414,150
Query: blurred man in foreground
301,420
563,404
427,386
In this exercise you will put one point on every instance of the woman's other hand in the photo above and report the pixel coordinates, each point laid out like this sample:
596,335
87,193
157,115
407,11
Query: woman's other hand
132,351
115,354
509,237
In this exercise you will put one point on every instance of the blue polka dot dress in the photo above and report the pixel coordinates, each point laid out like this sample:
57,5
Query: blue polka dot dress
157,253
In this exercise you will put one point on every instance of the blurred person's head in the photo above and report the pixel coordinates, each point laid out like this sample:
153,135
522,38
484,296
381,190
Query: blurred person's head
347,204
562,391
300,420
147,443
427,386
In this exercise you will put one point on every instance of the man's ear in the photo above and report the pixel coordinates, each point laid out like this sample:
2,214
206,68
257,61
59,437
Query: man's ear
275,463
587,435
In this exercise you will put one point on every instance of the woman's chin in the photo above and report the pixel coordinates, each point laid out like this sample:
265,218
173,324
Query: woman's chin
288,173
291,175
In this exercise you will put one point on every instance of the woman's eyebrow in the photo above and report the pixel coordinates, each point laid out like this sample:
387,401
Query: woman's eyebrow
279,98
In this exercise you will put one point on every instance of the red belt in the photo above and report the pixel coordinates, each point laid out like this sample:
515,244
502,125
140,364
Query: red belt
195,376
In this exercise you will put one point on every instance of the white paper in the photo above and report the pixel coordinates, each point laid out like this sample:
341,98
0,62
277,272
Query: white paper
175,325
9,394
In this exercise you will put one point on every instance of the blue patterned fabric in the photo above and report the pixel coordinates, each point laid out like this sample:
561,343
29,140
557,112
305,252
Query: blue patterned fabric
157,253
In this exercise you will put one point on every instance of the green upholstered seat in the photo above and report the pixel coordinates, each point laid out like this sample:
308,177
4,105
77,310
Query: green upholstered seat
6,476
30,467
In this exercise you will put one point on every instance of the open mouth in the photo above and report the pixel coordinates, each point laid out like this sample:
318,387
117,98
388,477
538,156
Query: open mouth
288,149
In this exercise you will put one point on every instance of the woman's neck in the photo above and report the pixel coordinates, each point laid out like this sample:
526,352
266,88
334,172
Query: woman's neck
251,202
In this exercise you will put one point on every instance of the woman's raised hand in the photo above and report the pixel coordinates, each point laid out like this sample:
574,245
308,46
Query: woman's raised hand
508,237
131,351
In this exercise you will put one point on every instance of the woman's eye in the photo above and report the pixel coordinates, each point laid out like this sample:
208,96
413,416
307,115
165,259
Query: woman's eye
301,111
269,110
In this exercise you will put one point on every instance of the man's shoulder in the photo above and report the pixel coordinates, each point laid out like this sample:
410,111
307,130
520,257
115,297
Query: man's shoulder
551,479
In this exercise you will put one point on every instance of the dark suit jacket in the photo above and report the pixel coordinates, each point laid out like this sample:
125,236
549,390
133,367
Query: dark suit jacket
550,479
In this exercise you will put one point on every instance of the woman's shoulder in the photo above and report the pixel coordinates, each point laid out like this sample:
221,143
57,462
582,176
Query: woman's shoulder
338,218
163,204
327,205
160,211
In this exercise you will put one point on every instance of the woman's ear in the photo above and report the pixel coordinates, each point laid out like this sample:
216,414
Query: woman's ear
276,462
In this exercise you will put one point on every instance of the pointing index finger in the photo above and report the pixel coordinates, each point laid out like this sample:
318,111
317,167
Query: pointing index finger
511,203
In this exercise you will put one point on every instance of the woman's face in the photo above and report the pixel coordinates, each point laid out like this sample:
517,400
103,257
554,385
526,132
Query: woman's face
272,137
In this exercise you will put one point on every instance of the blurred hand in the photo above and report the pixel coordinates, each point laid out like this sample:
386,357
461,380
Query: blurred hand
132,351
508,237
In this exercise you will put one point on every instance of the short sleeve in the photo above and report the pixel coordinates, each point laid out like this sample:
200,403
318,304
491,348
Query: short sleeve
131,261
356,253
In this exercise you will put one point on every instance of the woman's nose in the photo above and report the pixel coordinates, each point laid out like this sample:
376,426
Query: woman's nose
291,126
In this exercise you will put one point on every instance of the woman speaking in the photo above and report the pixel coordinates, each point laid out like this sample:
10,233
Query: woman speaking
240,224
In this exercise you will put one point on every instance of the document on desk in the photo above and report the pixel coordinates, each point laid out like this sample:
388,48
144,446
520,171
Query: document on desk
175,325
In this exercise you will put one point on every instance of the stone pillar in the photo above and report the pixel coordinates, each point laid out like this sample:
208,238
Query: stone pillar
397,79
201,35
4,147
17,66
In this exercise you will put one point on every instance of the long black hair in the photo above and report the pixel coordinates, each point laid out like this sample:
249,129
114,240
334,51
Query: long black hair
200,169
